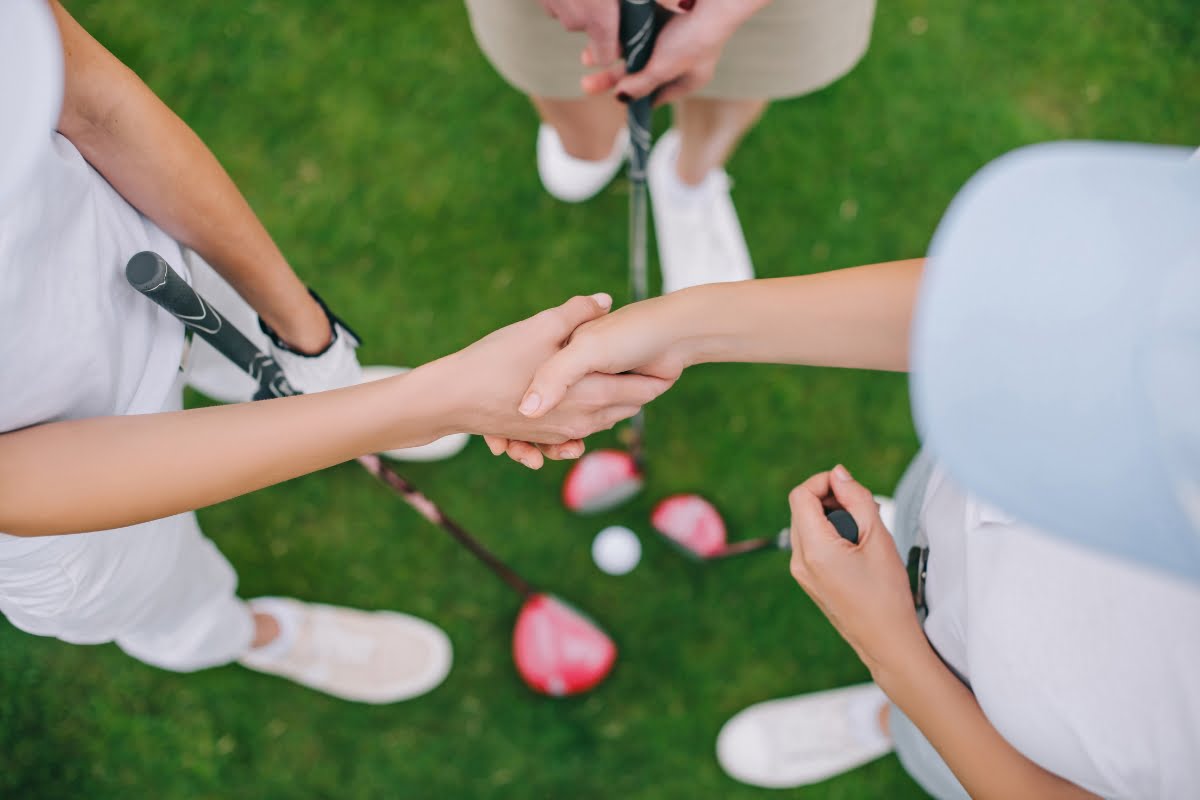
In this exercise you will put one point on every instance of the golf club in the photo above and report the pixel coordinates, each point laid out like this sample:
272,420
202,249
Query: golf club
557,650
695,527
604,479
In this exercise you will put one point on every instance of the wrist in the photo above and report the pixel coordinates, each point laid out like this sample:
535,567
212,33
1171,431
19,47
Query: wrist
695,314
439,386
307,328
899,672
419,401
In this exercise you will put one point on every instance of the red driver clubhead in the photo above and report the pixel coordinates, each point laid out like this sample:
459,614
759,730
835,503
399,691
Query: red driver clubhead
691,522
558,650
601,480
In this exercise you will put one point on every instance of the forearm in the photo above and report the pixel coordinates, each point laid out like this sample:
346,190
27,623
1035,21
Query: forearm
107,472
857,317
157,163
948,715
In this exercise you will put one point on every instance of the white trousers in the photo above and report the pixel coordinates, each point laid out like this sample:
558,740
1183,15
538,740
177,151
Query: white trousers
160,590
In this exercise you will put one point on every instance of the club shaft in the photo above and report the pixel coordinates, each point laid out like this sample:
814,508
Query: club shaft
151,275
375,465
638,277
639,284
745,546
839,518
638,29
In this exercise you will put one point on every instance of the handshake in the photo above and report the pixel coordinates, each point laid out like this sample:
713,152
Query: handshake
535,389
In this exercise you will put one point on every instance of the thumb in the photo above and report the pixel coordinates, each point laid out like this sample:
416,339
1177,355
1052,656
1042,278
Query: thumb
854,497
580,309
552,380
639,84
553,384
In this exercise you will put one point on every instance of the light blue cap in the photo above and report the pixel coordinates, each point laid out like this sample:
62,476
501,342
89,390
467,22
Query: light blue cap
1056,349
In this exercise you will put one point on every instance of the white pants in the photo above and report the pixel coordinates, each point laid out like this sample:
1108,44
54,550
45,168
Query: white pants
160,590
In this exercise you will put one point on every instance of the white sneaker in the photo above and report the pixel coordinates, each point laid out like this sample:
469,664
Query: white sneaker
572,179
796,741
699,237
436,450
364,656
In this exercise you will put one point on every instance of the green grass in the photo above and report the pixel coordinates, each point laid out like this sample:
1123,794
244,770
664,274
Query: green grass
395,168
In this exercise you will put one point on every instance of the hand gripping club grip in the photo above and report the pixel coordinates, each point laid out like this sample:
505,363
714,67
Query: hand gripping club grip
151,275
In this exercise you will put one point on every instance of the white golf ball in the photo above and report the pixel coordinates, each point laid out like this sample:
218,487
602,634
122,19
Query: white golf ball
616,550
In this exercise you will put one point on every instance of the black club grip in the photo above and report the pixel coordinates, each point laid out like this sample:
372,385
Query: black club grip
151,275
638,29
844,524
639,25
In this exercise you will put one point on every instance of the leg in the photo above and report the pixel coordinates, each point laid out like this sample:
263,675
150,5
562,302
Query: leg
580,146
192,616
586,126
709,131
787,49
166,596
160,590
700,238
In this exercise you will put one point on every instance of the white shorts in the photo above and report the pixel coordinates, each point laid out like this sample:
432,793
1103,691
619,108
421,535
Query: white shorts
160,590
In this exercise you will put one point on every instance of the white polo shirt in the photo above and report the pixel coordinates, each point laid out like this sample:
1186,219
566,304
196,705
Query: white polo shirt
75,339
1087,664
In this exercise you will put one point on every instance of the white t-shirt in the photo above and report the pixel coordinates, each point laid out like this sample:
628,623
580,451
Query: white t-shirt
1088,665
76,340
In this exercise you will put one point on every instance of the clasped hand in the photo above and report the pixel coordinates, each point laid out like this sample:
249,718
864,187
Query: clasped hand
684,58
483,385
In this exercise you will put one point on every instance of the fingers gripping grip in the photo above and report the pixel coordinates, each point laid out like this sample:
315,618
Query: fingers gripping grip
839,518
844,524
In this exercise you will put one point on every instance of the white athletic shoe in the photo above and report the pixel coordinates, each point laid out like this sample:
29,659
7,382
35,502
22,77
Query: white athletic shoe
572,179
364,656
699,237
781,744
436,450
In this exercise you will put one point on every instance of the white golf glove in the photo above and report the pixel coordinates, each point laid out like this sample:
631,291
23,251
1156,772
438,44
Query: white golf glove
334,367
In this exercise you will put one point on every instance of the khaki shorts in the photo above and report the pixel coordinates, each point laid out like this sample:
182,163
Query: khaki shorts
790,48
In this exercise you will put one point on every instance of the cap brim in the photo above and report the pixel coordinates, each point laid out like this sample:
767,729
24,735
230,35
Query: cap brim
31,89
1040,307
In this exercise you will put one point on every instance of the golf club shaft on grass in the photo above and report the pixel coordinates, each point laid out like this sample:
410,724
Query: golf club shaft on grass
840,519
151,275
638,30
